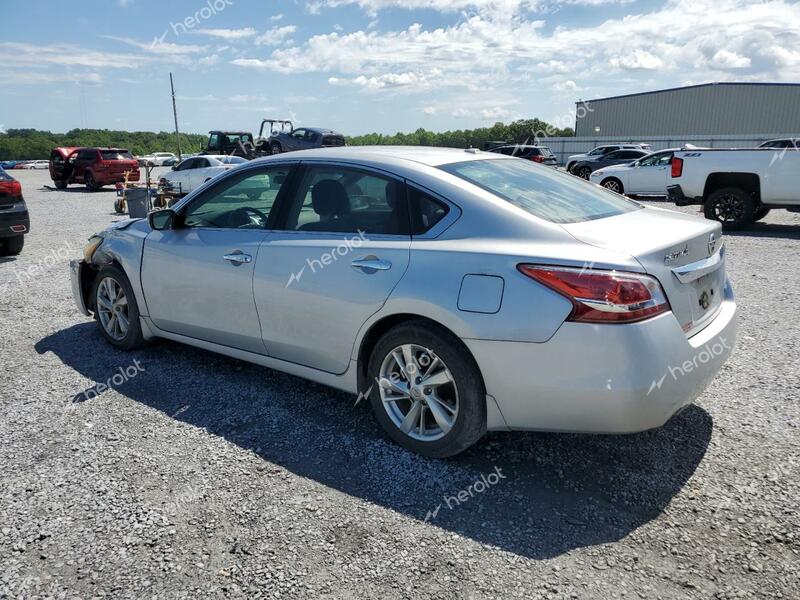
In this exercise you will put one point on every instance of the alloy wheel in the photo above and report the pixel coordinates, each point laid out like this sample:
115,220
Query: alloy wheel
418,392
613,185
112,308
729,209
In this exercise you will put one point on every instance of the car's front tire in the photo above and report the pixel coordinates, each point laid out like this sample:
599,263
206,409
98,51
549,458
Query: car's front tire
116,310
60,184
426,390
276,148
733,207
90,182
760,213
613,184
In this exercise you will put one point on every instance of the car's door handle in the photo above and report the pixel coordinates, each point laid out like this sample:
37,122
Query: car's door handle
371,264
238,258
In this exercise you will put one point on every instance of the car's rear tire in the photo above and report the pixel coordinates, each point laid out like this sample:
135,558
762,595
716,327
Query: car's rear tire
11,246
440,418
761,212
613,184
90,182
116,310
569,167
583,173
275,148
60,184
733,207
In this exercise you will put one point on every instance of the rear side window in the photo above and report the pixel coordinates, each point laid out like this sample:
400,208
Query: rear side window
116,155
233,160
344,200
426,211
544,193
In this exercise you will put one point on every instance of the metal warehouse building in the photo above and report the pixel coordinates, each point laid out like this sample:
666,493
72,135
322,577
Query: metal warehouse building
710,109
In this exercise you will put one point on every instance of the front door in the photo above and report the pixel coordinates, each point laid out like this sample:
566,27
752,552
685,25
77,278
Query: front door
343,246
650,176
198,277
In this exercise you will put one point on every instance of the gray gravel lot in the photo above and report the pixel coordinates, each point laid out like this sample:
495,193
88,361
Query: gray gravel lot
202,476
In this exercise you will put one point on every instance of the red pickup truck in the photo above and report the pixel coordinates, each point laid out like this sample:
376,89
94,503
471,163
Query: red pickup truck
93,167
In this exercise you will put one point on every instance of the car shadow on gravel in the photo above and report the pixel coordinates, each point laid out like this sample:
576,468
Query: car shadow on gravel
537,495
767,230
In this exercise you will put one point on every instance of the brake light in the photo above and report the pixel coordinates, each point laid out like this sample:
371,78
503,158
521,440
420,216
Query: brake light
537,159
11,188
677,166
602,296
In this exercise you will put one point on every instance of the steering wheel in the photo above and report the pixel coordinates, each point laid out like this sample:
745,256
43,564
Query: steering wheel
249,209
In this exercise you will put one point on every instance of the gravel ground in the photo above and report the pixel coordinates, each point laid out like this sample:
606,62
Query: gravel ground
202,476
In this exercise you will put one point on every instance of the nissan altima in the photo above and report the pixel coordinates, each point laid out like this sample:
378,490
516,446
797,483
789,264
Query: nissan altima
457,291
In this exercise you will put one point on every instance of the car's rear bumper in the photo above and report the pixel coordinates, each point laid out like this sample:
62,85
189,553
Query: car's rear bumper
605,378
76,274
675,194
14,220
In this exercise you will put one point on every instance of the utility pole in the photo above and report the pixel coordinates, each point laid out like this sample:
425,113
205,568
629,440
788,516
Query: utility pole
175,114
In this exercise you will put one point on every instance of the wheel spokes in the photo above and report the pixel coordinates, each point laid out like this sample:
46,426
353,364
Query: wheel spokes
412,418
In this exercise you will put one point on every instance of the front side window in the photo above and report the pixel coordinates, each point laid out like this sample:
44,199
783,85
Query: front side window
243,202
343,200
544,193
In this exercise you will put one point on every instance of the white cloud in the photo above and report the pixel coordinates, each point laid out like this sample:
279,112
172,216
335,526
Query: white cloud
700,40
725,59
638,59
228,34
276,36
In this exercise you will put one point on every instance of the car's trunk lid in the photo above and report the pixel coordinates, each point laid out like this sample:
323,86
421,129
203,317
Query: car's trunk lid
683,252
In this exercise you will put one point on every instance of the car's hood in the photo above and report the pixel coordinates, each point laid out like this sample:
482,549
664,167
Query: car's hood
609,168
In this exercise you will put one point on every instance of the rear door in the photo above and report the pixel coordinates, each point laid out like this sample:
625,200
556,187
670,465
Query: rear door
343,247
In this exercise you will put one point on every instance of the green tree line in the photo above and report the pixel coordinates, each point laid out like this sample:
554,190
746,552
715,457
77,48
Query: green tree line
32,144
518,132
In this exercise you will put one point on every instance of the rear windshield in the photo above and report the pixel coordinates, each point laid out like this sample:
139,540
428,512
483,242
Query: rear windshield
544,193
5,176
116,155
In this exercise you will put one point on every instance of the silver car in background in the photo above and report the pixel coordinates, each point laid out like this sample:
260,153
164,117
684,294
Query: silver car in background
460,291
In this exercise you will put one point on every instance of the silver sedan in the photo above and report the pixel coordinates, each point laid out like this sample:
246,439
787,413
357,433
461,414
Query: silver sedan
456,291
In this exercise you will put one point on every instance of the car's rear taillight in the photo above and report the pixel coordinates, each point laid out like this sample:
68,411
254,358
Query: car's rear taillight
538,159
602,296
11,188
677,166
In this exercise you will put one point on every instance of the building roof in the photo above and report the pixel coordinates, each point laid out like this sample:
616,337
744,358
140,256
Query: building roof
690,87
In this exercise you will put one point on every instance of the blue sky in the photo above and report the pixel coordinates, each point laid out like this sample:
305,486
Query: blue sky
371,65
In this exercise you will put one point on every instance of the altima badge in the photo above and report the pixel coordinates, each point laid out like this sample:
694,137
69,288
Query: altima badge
672,256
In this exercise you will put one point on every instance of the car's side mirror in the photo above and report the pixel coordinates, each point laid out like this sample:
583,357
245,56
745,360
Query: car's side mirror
161,220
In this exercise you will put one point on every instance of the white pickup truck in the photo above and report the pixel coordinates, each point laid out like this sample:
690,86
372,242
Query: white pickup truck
738,186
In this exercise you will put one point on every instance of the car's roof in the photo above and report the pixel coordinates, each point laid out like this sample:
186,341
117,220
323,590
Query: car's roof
319,130
426,155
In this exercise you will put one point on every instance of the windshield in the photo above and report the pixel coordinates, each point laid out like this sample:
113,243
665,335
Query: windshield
546,194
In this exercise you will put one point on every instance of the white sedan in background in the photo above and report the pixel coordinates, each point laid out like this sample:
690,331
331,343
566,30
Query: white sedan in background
195,171
37,164
647,176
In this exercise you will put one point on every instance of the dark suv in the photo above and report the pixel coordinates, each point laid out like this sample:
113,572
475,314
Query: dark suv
538,154
93,167
14,221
